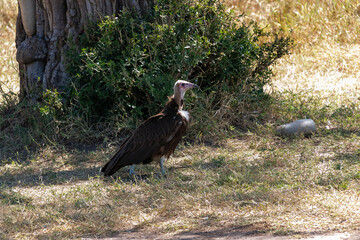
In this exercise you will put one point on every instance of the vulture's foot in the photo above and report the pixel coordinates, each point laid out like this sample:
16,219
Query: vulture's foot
133,174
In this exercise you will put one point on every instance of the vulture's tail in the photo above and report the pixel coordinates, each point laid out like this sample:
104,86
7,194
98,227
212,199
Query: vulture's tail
116,162
113,165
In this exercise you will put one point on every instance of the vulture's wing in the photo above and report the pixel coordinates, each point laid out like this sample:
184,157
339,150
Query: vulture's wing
145,142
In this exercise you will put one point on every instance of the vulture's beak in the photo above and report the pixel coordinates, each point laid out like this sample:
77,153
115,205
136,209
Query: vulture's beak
183,86
189,85
193,85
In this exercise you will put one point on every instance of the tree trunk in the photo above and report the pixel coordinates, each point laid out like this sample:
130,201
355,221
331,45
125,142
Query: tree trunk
43,29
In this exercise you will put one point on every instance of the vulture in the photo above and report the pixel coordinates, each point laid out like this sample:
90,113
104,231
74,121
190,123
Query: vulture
156,138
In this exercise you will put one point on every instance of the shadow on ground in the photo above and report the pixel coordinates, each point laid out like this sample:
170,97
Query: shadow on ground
49,178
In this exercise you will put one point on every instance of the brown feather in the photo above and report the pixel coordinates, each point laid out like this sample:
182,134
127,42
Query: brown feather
158,136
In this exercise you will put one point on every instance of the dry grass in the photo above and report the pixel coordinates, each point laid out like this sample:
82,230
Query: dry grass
9,80
312,22
326,37
328,69
286,186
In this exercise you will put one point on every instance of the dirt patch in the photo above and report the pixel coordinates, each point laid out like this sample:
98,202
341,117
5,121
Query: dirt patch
251,231
227,234
258,231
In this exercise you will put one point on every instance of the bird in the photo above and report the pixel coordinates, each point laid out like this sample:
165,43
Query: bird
155,139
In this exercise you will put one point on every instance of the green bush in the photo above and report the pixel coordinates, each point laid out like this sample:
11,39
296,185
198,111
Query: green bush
127,65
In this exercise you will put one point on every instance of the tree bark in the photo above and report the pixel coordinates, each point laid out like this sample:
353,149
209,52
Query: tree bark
43,29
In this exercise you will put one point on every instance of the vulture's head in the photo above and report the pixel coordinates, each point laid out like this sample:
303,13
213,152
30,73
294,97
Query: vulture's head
180,88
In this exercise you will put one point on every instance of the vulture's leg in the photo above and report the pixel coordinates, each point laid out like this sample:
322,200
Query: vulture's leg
131,171
162,159
133,174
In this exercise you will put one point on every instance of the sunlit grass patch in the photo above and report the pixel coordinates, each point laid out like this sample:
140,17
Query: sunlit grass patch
311,22
328,71
8,66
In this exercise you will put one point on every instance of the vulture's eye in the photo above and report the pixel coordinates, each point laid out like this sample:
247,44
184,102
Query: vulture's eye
183,84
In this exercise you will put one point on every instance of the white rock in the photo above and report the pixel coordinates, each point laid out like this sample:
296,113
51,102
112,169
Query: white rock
303,126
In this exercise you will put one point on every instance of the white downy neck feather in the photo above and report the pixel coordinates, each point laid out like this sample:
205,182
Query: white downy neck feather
185,114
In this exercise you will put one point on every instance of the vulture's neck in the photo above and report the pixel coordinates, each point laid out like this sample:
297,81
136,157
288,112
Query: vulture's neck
178,97
175,103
